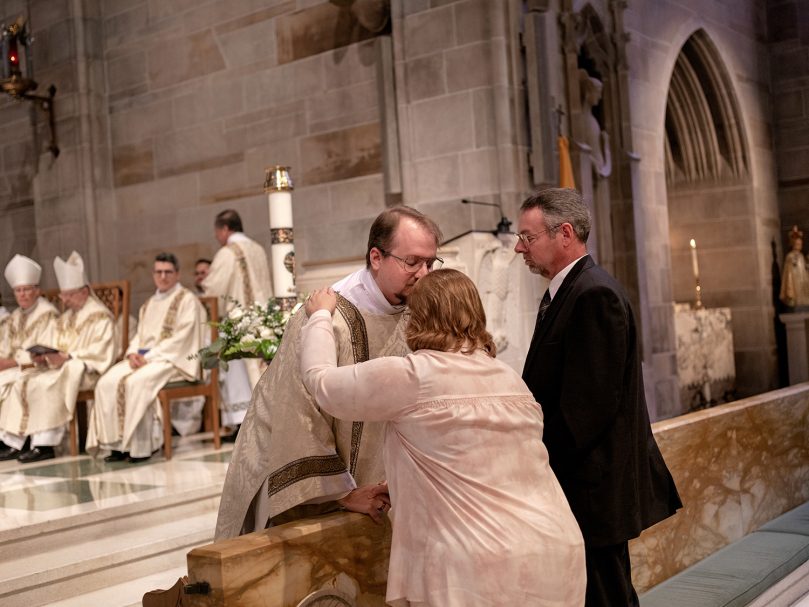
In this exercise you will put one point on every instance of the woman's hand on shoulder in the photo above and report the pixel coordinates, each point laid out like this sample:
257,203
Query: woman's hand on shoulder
321,299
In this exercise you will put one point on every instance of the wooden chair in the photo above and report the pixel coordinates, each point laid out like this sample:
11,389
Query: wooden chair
187,389
114,295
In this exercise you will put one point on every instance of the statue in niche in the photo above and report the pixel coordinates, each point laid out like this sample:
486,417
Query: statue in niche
598,140
795,276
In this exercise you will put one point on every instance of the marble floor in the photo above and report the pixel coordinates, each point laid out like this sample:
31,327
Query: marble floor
77,525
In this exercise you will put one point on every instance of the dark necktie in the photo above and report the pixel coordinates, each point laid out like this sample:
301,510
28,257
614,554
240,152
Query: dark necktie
543,306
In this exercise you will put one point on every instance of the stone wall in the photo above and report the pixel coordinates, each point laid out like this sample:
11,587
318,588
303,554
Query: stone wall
788,22
657,34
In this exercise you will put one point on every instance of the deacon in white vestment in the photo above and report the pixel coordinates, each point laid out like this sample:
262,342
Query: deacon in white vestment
43,399
126,417
291,458
32,323
239,273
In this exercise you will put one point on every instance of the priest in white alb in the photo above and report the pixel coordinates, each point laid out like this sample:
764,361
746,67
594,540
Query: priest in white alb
30,324
239,273
43,399
126,417
292,459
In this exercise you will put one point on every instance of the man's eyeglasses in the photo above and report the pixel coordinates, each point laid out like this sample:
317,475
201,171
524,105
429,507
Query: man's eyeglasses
414,264
527,239
163,272
25,290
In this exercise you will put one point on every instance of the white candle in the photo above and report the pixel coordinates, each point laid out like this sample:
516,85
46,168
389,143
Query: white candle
280,209
283,281
694,264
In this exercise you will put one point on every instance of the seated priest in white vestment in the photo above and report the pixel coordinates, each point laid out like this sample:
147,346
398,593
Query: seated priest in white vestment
478,515
293,459
29,325
126,417
240,274
82,347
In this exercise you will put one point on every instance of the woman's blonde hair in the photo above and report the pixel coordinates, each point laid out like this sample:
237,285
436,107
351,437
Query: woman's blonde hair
446,315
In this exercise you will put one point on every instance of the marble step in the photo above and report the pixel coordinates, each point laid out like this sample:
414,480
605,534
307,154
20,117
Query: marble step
125,594
112,547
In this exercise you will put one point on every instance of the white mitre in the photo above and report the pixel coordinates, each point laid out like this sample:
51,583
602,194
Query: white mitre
70,274
22,271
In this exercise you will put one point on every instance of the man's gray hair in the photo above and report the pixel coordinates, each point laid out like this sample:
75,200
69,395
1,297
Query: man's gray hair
558,206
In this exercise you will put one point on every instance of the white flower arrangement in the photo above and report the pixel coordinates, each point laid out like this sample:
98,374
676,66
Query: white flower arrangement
251,332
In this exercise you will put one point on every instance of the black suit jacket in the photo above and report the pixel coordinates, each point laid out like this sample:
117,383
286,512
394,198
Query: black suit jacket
584,368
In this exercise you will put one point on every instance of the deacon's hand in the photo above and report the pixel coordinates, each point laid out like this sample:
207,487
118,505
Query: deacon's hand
372,500
321,299
136,361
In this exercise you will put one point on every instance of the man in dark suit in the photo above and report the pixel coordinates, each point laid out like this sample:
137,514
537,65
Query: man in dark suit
584,368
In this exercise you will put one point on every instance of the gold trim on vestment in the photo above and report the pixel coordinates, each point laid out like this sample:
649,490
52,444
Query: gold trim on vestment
300,469
71,326
359,343
120,401
244,271
23,332
26,407
329,465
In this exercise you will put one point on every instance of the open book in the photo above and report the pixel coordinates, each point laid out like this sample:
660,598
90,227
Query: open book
39,350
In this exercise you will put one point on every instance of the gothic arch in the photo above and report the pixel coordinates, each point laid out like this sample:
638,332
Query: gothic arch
704,139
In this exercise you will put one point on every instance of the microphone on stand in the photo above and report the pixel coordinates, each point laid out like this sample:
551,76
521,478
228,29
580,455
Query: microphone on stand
504,227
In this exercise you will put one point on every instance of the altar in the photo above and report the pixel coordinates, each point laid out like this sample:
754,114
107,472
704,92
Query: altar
705,365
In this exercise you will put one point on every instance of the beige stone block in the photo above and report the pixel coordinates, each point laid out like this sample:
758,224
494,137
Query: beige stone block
328,241
343,154
429,31
58,211
113,7
192,149
414,6
315,30
159,10
425,77
226,183
310,205
127,26
133,163
183,58
437,179
225,94
283,126
127,71
286,83
250,44
356,198
442,125
154,197
469,67
479,172
342,103
282,152
350,65
473,21
138,123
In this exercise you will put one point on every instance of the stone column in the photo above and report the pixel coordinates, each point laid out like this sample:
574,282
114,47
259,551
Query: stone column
797,324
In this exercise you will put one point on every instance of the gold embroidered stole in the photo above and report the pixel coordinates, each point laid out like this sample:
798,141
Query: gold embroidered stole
241,261
326,465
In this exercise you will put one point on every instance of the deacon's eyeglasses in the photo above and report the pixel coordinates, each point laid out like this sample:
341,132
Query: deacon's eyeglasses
527,239
414,264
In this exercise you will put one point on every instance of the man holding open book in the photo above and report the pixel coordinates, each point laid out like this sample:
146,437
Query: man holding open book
69,357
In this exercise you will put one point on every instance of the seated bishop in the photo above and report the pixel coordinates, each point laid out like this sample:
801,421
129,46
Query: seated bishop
72,358
28,325
126,417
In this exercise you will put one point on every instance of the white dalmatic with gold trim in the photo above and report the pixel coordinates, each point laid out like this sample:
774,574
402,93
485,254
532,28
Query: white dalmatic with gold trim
42,401
23,329
126,415
239,272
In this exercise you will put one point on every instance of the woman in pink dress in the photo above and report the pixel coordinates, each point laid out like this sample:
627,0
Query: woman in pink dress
478,516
